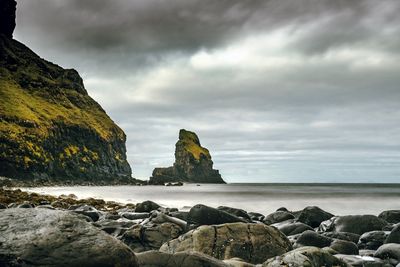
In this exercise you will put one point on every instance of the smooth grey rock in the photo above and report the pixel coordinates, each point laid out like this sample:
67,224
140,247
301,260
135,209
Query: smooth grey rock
42,237
305,256
181,259
278,216
313,216
290,227
204,215
372,240
357,224
254,243
391,216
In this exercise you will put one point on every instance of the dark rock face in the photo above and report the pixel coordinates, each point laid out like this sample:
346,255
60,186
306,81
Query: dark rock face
43,237
7,17
51,130
192,163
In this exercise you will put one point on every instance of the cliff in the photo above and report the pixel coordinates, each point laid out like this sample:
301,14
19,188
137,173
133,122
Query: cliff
51,130
193,163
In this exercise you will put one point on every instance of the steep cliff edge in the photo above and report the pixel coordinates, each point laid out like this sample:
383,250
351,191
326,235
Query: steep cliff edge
193,163
51,130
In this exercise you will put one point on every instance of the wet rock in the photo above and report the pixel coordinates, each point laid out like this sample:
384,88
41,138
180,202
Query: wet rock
204,215
394,236
181,259
147,206
42,237
357,224
361,261
183,215
391,216
114,227
255,216
278,216
344,247
86,210
149,237
290,227
390,251
305,256
372,240
236,212
313,216
254,243
343,236
3,206
25,205
135,215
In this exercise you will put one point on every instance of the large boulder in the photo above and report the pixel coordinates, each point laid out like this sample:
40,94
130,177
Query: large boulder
391,216
390,251
181,259
204,215
305,256
343,236
146,206
357,224
313,216
277,217
43,237
7,17
372,240
394,236
290,227
149,237
236,212
253,243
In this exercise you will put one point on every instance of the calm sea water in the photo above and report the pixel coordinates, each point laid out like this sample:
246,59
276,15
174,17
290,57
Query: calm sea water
340,199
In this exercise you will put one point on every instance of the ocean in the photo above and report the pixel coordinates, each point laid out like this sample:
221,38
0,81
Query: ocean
339,199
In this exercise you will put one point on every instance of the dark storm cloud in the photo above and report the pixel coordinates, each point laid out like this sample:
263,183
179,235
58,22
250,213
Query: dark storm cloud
277,89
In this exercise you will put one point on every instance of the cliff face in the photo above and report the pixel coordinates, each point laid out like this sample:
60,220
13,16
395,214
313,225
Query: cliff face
192,163
50,128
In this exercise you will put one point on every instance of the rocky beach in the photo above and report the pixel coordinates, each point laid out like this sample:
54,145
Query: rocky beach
44,230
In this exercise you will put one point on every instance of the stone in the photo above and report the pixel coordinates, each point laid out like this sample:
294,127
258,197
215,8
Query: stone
135,215
305,256
181,259
42,237
204,215
147,206
255,216
193,163
394,235
372,240
3,206
237,262
25,205
149,237
357,224
361,261
7,17
290,227
313,216
344,247
389,251
391,216
277,216
254,243
114,227
343,236
236,212
86,210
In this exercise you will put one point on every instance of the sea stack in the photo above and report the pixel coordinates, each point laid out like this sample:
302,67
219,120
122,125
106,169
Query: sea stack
193,163
51,130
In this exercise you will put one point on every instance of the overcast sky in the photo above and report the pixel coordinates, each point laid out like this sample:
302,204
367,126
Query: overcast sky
279,91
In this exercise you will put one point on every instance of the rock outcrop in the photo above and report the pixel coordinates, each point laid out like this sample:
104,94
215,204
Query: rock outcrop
51,130
193,163
7,17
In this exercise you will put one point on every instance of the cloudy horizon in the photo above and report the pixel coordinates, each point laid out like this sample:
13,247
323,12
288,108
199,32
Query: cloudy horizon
278,91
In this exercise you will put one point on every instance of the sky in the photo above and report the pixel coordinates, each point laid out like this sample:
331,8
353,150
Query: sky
277,90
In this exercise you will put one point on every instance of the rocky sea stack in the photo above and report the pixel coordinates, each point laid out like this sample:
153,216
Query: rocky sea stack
51,130
193,163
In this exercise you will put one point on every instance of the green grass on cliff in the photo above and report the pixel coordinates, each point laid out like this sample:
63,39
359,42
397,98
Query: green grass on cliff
192,144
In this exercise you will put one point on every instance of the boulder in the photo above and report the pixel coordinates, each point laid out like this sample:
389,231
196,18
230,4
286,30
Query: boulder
361,261
204,215
290,227
372,240
278,216
114,227
236,212
305,256
181,259
86,210
389,251
357,224
343,236
43,237
394,236
391,216
135,215
149,237
254,243
313,216
344,247
147,206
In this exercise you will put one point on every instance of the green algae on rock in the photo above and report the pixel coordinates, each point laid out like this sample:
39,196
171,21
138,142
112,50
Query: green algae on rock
193,163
